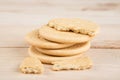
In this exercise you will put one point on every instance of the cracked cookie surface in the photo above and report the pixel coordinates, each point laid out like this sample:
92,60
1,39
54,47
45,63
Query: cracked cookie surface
31,65
74,24
73,64
62,37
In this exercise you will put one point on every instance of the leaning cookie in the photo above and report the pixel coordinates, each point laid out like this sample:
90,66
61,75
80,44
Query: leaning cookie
69,51
35,39
74,24
47,58
81,63
62,37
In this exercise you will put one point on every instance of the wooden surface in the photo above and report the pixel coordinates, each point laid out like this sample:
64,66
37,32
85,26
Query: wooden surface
18,17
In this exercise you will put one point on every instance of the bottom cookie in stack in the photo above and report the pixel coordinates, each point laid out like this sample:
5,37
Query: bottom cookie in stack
44,58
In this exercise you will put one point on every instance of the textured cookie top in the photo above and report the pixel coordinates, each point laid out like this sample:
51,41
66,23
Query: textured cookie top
74,24
31,65
61,36
73,64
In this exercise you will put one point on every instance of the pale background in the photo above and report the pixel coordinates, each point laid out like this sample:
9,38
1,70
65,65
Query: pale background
18,17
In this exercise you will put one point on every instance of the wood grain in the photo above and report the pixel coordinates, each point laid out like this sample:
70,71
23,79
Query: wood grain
106,63
108,37
18,17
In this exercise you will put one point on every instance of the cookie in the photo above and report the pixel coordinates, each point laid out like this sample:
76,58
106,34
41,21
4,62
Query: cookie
47,58
62,37
73,50
35,39
31,65
74,24
81,63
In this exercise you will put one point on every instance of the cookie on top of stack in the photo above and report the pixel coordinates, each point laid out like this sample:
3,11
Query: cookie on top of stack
61,39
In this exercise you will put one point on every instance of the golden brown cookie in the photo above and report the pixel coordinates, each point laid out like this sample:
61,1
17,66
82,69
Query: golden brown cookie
35,39
47,58
69,51
74,24
81,63
31,65
62,37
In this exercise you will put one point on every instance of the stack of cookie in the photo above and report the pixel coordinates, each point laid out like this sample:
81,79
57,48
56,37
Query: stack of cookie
61,39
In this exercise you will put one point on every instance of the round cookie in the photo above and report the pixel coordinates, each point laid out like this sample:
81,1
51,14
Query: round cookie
62,37
35,39
74,24
47,58
69,51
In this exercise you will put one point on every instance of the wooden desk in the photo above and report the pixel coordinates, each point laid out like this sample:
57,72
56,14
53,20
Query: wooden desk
18,17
